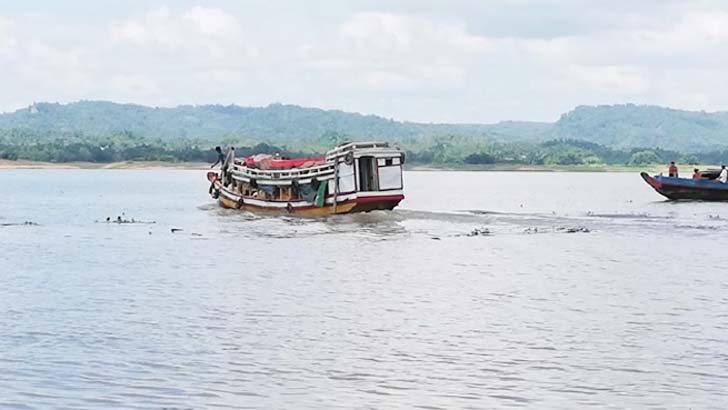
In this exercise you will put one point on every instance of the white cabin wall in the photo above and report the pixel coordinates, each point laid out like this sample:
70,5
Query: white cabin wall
347,183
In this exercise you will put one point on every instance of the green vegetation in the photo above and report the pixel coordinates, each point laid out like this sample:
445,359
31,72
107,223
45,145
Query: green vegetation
276,123
452,150
102,132
125,146
643,158
632,126
445,151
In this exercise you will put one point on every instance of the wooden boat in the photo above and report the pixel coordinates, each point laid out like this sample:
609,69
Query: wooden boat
684,188
353,177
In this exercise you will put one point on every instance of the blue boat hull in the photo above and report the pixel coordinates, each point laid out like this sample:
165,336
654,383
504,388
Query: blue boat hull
682,188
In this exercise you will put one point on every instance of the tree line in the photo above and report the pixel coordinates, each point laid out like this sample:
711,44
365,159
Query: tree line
441,150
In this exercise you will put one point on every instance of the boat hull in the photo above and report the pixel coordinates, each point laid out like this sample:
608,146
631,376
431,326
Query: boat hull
687,189
352,203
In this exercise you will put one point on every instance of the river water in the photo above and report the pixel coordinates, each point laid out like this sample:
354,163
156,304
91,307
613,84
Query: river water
482,290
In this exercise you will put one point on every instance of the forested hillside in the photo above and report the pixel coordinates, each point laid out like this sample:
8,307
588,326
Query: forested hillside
98,131
276,122
617,126
630,126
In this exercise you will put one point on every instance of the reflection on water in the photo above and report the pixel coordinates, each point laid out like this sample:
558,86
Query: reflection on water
507,290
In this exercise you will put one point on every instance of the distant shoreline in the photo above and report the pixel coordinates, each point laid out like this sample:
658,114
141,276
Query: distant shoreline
157,165
151,165
539,168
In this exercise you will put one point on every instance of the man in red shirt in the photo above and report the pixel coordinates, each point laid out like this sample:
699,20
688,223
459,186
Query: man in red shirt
672,171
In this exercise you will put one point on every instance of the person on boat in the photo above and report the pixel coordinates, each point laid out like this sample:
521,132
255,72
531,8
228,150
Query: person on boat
220,157
228,160
723,177
696,174
672,171
226,164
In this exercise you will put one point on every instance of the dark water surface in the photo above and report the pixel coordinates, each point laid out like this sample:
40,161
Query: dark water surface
484,290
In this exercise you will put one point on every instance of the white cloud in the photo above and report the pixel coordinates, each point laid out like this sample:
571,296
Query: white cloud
32,69
213,31
695,34
456,61
387,33
619,80
378,51
36,66
8,43
138,86
381,51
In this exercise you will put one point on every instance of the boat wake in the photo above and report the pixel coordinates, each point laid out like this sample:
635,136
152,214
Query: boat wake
402,223
639,216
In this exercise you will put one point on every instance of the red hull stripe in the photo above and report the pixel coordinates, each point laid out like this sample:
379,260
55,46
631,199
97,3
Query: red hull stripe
363,200
388,198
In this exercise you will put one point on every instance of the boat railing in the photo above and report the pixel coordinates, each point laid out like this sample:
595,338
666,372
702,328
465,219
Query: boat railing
344,149
282,181
280,174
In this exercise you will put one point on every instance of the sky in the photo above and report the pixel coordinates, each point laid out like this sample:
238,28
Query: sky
428,61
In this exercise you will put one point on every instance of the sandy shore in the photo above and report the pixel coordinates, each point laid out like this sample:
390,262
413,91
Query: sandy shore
22,164
541,168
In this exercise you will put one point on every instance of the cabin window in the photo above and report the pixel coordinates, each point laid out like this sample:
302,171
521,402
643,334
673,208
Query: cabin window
395,161
390,177
381,162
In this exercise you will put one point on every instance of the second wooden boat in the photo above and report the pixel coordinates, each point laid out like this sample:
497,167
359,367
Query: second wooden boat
684,188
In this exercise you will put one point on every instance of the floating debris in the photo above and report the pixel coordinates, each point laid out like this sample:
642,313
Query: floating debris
699,227
560,229
173,230
123,220
630,215
479,232
577,229
26,223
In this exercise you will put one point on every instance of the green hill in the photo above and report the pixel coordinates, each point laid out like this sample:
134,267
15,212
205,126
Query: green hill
630,126
617,126
275,123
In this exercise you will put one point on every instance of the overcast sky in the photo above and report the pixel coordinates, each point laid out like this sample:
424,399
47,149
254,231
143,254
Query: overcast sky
430,61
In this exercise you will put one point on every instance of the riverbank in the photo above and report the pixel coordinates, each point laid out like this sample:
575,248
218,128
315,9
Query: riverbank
152,165
656,168
23,164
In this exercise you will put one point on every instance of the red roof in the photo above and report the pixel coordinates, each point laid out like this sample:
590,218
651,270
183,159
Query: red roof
269,163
